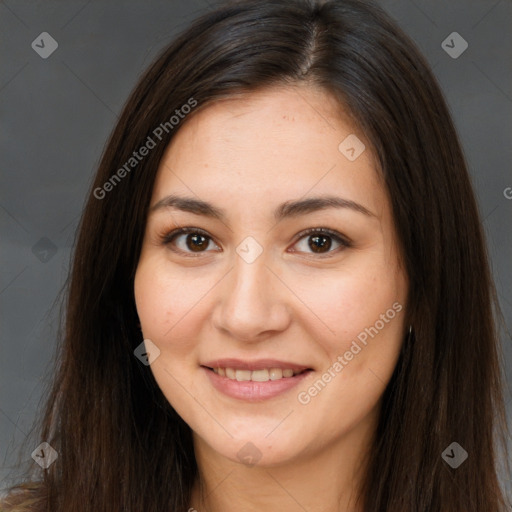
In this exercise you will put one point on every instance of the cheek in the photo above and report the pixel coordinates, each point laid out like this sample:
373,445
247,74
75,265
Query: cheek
343,304
159,301
151,300
360,334
164,306
364,312
170,305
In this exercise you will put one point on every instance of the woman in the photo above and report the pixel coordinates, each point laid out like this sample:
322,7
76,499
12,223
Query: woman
280,297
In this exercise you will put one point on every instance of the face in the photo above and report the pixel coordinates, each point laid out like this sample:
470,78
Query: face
247,289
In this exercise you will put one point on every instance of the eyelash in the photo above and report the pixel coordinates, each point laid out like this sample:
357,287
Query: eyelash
168,238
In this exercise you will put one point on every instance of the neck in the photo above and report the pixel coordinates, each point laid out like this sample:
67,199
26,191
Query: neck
325,479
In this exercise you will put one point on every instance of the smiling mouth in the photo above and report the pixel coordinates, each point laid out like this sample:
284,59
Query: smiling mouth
261,375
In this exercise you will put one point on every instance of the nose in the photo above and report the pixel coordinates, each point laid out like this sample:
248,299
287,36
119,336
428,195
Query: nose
253,302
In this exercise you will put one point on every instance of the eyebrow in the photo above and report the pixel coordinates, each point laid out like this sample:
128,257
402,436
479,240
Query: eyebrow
285,210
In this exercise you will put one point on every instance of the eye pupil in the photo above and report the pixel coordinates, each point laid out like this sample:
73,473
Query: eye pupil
316,244
194,246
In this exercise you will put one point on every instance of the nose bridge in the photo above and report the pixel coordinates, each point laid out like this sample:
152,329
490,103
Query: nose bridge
251,302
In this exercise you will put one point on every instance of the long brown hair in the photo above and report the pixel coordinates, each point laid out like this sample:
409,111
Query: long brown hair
121,445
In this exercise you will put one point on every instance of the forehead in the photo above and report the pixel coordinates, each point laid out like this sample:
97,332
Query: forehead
270,145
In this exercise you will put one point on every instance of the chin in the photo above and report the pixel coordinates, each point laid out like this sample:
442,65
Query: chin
258,450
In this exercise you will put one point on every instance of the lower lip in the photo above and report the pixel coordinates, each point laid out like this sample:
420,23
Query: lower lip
252,391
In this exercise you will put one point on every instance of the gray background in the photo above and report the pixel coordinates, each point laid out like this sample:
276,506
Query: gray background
57,113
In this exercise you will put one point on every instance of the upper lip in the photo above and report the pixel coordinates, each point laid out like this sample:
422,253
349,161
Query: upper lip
258,364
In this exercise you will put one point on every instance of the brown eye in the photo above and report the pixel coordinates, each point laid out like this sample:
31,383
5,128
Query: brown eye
188,240
320,241
194,241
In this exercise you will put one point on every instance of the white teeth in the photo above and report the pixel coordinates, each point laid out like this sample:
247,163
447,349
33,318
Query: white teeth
276,373
243,375
260,375
256,375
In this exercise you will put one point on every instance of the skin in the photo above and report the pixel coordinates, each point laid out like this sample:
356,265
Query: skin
247,155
